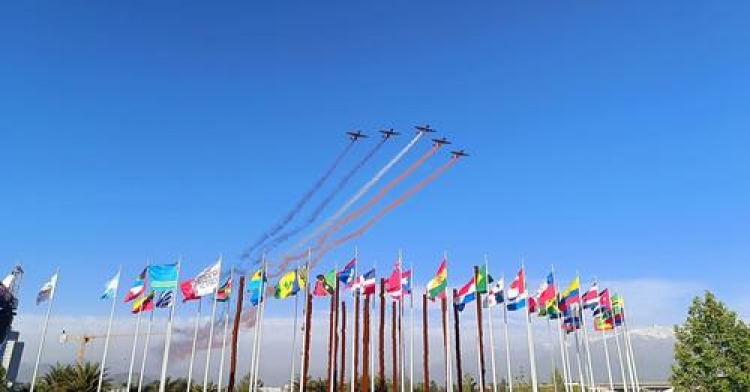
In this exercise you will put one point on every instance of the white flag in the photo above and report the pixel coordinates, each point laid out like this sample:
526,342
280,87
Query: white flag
47,291
207,281
8,281
111,289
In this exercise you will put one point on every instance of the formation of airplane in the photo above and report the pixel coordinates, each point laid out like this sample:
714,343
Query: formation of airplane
355,135
388,133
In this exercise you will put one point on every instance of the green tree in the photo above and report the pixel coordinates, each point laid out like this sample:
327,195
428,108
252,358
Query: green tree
81,377
712,349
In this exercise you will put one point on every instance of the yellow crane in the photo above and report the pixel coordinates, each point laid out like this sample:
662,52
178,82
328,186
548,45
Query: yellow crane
86,338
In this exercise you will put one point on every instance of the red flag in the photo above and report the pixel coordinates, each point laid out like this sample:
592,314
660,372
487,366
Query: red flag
188,291
320,289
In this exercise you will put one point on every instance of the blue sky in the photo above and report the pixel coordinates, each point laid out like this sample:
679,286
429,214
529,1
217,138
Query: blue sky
609,139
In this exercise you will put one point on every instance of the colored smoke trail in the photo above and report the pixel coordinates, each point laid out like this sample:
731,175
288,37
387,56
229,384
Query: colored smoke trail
374,180
301,203
281,238
367,226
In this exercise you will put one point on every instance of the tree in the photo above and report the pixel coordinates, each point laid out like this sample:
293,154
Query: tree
81,377
712,349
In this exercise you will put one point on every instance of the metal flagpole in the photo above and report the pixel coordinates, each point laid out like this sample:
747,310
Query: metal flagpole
630,346
401,299
411,335
132,352
563,353
294,334
627,357
211,332
195,341
588,350
606,357
355,318
109,332
492,333
226,331
259,324
578,359
305,324
507,339
168,340
259,291
372,348
44,331
530,337
480,332
145,349
552,351
622,363
559,334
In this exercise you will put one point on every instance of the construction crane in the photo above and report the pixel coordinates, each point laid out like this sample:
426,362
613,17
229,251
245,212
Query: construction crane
86,338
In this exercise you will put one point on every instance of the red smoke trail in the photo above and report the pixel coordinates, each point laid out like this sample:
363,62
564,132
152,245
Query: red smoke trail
356,214
364,228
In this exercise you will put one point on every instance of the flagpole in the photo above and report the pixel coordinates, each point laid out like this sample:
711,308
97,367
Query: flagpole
457,331
568,365
622,363
552,352
630,346
425,345
480,329
507,339
530,337
225,331
563,354
411,333
145,349
447,332
627,356
355,334
260,293
394,350
44,331
588,350
294,333
559,335
492,332
262,306
236,332
609,364
211,331
401,348
168,340
195,341
305,325
381,342
132,352
578,359
109,332
369,343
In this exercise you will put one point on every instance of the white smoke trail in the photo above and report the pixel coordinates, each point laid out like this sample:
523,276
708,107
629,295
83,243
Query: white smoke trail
374,180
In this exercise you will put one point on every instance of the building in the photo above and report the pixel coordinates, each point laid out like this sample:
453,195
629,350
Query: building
11,352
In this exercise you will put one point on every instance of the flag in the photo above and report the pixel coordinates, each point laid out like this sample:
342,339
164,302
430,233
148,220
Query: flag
481,280
618,309
8,280
466,294
547,292
399,283
517,294
224,292
552,309
602,323
138,287
346,275
143,304
163,277
257,287
166,299
572,295
287,285
437,285
48,290
301,281
572,318
207,282
365,284
187,288
591,297
321,289
111,289
495,295
605,303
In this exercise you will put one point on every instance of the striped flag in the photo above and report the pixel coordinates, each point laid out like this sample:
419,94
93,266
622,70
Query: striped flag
166,299
517,294
591,297
143,304
111,289
365,284
138,287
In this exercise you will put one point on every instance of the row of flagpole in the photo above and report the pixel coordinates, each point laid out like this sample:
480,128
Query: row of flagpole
167,284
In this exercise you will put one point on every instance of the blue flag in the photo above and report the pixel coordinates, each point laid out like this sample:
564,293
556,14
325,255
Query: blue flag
162,277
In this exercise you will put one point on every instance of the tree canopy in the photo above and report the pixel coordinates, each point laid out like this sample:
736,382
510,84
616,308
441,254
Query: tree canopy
712,349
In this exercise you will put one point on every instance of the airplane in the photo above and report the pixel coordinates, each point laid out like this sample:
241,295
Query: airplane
424,128
441,141
459,153
387,133
356,135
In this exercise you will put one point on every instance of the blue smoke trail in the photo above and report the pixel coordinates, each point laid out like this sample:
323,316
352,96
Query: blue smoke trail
301,203
283,237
